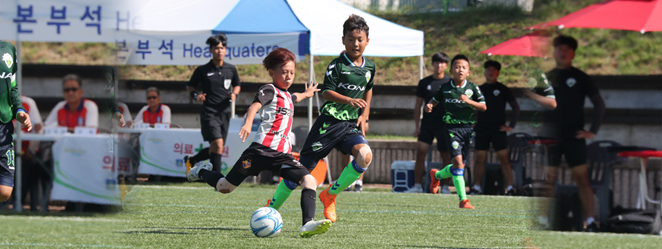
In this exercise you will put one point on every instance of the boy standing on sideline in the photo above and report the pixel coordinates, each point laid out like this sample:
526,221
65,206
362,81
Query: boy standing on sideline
491,127
566,122
459,98
431,126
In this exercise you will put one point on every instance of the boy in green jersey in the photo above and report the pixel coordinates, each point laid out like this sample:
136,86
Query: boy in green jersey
459,97
10,108
347,87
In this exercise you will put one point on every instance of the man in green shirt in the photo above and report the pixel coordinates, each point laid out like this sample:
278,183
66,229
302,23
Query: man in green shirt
10,108
459,98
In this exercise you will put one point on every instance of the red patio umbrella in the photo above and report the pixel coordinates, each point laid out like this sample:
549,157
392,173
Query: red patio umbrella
636,15
534,44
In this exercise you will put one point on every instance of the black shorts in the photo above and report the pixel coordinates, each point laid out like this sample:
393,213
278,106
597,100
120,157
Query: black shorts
459,139
429,132
215,125
257,158
498,139
573,149
328,133
7,165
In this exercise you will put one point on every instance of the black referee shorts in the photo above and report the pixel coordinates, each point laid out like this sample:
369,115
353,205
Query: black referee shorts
215,125
257,158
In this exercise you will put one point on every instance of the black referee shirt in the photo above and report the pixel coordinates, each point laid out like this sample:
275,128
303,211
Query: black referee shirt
217,83
571,87
427,88
496,97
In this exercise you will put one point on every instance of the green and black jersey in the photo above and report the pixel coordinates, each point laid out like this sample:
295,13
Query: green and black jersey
10,99
458,111
348,79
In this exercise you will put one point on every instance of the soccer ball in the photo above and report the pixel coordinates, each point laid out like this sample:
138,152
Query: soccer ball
266,222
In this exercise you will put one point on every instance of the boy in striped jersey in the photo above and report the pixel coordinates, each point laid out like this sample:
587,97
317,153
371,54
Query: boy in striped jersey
271,148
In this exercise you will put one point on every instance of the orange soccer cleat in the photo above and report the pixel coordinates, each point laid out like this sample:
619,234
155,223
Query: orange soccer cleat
465,204
329,202
434,182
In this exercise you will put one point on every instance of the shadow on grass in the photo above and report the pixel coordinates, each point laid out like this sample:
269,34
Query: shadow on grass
175,230
437,247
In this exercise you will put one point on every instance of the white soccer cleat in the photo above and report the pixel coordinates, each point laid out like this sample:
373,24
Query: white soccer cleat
415,189
192,174
315,227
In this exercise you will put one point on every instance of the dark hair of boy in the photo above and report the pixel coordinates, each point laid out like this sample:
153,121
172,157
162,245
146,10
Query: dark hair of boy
277,57
440,57
355,22
213,41
459,57
490,63
566,40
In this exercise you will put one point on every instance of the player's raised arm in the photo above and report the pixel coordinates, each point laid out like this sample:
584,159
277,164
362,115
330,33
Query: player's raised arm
307,93
248,123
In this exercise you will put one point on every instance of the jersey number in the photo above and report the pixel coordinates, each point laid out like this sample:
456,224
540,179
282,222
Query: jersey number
10,159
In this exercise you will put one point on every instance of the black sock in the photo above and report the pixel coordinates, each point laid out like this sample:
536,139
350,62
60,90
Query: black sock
201,156
308,205
216,161
210,177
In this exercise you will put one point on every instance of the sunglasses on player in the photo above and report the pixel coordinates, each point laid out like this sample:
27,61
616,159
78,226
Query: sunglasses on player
72,89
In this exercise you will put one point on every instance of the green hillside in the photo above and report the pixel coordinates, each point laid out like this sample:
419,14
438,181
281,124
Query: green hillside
469,32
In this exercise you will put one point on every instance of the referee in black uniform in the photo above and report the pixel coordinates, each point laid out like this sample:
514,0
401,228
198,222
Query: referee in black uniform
220,86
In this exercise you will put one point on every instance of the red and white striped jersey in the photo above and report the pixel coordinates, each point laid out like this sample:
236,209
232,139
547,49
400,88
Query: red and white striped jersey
86,115
161,116
277,116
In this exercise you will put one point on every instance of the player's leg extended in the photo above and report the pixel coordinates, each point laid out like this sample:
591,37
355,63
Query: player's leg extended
192,160
283,192
352,172
314,148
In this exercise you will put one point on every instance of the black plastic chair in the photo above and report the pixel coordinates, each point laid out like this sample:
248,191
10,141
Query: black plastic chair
600,157
518,145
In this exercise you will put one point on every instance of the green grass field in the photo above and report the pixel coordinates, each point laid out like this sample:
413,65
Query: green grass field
186,215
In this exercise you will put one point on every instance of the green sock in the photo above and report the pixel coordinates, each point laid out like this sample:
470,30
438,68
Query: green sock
283,192
350,174
459,186
444,173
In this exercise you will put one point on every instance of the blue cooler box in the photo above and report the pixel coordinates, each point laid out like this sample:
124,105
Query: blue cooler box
402,175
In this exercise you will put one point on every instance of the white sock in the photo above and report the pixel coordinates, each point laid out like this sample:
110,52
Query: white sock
509,188
477,187
358,182
589,221
417,185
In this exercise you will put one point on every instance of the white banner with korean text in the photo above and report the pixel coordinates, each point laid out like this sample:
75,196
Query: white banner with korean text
162,151
84,169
